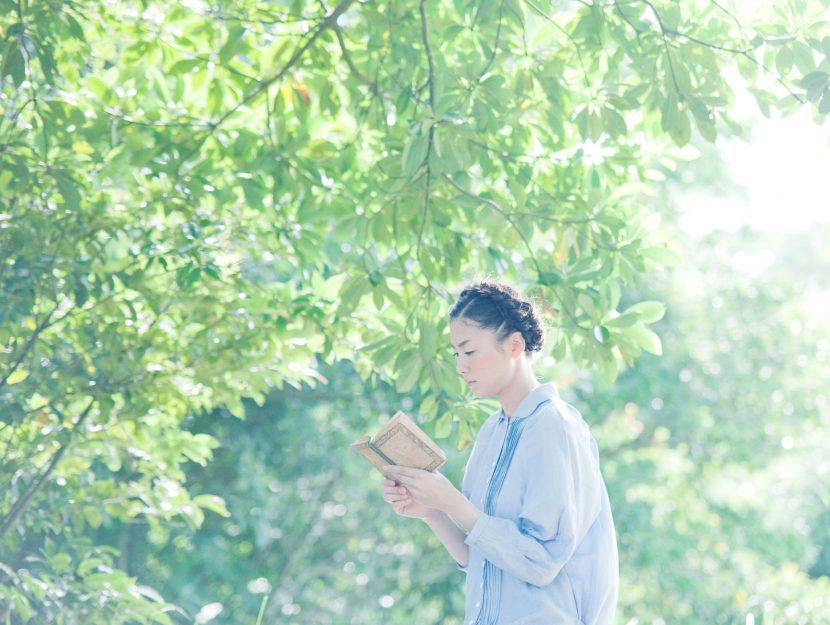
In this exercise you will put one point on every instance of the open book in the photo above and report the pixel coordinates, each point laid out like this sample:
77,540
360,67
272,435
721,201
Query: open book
400,442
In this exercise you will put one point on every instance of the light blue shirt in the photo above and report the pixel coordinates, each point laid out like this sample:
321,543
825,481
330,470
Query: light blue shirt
544,552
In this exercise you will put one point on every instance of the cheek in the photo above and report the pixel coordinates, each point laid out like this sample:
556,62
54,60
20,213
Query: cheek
479,363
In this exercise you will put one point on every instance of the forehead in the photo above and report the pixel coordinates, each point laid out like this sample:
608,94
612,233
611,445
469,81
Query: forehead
462,331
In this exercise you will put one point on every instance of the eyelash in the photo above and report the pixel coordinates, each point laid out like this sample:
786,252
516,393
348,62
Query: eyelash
466,353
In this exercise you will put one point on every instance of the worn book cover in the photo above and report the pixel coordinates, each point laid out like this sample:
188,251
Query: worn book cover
401,442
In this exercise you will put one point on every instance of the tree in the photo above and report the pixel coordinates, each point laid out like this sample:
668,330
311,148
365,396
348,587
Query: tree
712,452
198,203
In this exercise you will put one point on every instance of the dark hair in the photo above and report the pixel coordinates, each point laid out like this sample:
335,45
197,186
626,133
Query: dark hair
498,307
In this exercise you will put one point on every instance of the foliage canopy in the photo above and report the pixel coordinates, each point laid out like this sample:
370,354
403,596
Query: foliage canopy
200,202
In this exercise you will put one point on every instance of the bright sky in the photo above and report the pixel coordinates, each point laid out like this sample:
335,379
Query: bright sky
785,169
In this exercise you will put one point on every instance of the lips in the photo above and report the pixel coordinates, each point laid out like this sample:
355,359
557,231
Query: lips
470,382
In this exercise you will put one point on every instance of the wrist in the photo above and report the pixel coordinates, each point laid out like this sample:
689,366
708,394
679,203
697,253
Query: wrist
432,516
463,512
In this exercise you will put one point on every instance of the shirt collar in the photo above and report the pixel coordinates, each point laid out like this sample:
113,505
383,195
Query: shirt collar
532,401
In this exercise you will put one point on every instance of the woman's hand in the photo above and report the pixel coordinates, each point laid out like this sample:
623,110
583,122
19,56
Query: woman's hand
426,488
434,491
403,503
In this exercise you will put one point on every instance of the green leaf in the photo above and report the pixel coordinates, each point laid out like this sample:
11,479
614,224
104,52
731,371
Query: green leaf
92,514
608,367
60,562
614,123
429,340
676,122
75,29
216,96
183,67
661,255
69,192
213,503
646,339
814,83
443,426
589,123
824,105
784,60
414,154
623,321
408,376
648,311
235,44
13,63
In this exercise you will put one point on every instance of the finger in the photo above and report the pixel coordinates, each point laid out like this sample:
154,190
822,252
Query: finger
388,482
403,478
407,482
398,506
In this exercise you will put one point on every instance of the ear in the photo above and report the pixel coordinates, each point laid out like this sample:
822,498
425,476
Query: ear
517,344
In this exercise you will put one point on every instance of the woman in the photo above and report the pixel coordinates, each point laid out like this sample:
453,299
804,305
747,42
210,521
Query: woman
532,525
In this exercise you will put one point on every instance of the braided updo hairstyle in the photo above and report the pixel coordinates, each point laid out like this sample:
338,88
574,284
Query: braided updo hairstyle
498,307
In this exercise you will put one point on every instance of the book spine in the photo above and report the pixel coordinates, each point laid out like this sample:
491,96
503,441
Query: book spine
377,450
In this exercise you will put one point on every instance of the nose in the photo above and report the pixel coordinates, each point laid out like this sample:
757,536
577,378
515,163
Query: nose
460,367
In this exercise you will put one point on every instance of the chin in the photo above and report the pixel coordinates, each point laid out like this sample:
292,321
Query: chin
478,391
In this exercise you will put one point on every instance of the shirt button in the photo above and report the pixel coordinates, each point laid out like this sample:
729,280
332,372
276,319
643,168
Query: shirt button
478,604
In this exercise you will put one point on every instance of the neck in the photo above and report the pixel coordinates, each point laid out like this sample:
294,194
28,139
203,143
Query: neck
517,389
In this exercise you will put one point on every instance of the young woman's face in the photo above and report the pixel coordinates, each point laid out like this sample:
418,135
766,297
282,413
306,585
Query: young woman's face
485,365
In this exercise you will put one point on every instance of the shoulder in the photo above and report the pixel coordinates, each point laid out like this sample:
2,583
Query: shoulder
557,422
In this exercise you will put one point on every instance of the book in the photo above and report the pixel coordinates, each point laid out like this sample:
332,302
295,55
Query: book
400,442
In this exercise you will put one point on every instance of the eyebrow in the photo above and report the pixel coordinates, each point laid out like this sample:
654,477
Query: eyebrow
461,344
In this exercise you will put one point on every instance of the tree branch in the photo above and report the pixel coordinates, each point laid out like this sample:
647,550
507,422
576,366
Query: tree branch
430,60
663,32
29,343
353,68
501,212
21,503
573,42
431,132
329,22
495,43
745,52
628,21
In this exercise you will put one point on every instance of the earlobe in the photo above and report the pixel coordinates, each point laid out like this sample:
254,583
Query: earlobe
518,348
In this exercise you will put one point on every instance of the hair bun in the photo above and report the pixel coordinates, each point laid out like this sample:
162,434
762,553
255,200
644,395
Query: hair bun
500,308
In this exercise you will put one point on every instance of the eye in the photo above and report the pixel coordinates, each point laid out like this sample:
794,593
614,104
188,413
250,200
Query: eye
469,353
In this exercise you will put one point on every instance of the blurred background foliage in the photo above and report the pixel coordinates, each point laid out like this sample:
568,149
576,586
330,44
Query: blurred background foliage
229,235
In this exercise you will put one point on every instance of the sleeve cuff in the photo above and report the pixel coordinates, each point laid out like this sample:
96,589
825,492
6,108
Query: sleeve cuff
476,534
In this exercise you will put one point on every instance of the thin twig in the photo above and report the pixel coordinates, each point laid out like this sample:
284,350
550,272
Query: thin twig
503,213
29,343
431,132
745,52
573,42
327,23
355,71
21,503
666,47
495,43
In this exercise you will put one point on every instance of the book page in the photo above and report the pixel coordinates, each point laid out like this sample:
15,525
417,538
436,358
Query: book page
406,449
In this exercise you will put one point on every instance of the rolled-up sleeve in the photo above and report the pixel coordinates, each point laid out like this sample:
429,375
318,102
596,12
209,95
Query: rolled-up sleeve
561,498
